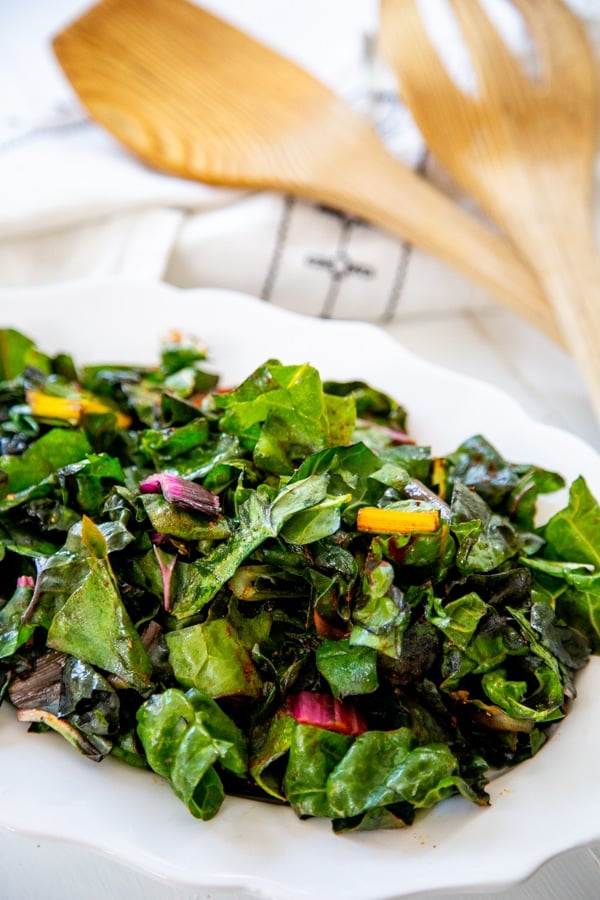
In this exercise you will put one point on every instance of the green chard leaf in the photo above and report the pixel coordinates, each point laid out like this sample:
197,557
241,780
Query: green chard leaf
485,538
93,624
17,352
14,630
274,650
573,535
314,754
507,488
215,658
347,669
63,572
382,768
459,619
269,743
258,519
283,410
184,736
382,614
34,473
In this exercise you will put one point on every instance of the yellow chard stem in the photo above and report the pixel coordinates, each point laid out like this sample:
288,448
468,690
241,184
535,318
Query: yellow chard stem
397,521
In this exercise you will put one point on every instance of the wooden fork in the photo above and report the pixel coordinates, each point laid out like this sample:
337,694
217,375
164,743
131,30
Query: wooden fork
523,147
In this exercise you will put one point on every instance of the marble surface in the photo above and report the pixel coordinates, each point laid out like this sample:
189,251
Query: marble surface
75,207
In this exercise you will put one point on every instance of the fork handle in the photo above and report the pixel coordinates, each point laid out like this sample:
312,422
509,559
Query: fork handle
567,264
373,185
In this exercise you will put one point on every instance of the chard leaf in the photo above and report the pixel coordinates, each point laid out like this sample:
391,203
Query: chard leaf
485,539
189,380
506,487
349,470
283,409
17,352
396,815
383,768
359,781
93,477
521,504
214,658
20,539
347,669
314,754
269,742
569,647
35,473
88,700
341,419
53,450
429,774
572,533
184,735
296,497
347,466
62,573
371,404
432,553
215,570
320,521
166,444
581,609
258,519
382,616
544,705
459,619
182,523
93,624
484,652
574,573
14,631
178,355
210,461
265,582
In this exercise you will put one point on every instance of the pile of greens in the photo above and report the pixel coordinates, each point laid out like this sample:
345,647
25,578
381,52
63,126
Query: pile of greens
185,587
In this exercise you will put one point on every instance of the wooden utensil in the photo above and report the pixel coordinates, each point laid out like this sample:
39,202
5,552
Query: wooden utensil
523,147
194,96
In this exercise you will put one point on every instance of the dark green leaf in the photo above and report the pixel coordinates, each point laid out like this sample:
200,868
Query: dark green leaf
314,754
214,658
16,353
183,736
93,623
348,670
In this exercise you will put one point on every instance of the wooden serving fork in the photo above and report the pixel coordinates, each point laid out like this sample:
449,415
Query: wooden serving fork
524,147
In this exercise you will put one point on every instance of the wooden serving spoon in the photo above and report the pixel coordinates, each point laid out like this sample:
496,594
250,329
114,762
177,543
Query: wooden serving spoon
523,147
192,95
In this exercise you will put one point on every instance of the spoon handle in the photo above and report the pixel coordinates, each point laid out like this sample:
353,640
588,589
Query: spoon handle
372,184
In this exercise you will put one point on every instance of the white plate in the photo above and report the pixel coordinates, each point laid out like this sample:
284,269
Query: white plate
544,806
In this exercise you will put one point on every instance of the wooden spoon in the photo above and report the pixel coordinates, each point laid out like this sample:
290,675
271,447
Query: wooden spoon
193,95
523,147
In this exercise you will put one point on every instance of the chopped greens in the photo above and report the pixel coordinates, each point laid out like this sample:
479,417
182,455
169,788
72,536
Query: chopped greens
273,592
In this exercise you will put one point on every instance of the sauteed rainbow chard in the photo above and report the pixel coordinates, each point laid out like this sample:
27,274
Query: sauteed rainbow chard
272,591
